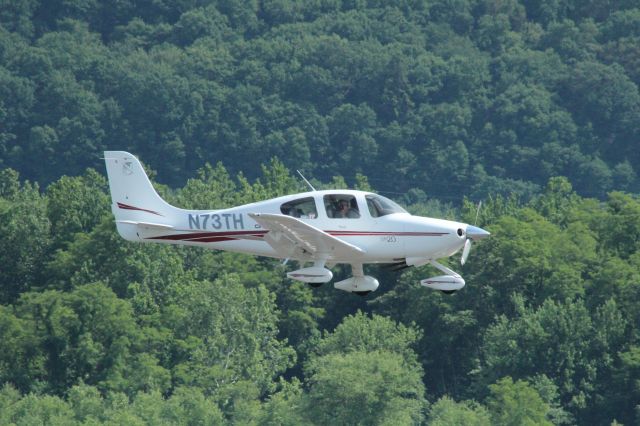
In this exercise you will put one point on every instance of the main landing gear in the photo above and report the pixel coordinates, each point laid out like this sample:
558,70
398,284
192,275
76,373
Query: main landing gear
317,275
359,283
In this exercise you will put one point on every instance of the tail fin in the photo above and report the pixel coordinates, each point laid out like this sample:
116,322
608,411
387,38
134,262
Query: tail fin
134,200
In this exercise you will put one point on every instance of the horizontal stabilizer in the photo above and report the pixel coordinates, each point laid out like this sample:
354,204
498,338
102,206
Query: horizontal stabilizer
147,224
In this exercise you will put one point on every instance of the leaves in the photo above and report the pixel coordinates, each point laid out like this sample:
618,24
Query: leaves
363,388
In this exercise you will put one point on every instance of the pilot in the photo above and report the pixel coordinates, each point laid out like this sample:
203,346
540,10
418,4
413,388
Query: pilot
345,211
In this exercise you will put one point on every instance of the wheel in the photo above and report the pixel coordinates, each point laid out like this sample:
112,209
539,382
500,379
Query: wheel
362,293
448,291
315,285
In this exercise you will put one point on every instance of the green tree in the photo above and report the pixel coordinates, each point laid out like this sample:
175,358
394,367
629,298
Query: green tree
198,23
360,332
365,354
76,205
284,407
25,231
446,411
89,335
352,126
516,404
535,258
102,255
189,406
557,201
33,409
17,16
562,341
361,387
621,230
22,360
625,389
225,333
212,188
17,99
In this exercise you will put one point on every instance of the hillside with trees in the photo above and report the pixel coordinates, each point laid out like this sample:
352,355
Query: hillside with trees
438,104
471,97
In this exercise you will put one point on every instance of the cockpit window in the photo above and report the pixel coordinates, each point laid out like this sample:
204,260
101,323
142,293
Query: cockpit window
382,206
341,206
304,208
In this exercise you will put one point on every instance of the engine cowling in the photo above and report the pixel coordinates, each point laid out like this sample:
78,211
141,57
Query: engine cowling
444,283
313,274
360,285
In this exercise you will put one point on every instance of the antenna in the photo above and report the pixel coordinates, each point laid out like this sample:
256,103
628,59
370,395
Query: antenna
477,212
305,180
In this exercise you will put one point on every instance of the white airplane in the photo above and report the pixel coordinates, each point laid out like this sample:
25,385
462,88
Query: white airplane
319,227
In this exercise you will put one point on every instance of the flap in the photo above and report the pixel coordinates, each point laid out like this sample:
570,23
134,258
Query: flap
291,237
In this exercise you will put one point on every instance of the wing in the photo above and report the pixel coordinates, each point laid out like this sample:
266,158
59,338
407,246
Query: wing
293,238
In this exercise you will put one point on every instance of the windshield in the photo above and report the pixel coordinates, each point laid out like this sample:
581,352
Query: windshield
382,206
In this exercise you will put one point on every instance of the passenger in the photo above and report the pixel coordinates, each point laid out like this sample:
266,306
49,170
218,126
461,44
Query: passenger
345,211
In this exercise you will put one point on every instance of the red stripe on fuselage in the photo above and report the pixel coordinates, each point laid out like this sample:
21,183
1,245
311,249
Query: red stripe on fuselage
212,239
206,237
202,236
396,234
128,207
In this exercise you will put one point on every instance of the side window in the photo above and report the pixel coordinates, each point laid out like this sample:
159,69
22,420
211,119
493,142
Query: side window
304,208
374,210
341,206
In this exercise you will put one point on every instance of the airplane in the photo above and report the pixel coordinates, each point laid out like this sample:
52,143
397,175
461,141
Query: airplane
317,228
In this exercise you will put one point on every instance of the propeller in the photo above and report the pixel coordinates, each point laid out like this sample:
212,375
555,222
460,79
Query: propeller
465,251
473,233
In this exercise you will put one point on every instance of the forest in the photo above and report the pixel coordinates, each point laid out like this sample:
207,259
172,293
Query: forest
530,106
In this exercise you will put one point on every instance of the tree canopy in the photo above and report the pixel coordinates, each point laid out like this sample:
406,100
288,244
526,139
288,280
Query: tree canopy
473,97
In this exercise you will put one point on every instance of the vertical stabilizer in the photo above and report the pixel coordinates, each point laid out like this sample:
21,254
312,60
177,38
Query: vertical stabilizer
133,198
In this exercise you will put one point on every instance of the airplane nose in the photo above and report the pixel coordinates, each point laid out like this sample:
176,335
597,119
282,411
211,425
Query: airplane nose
476,233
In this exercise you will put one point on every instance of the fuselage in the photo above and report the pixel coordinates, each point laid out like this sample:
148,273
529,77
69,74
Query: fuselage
382,229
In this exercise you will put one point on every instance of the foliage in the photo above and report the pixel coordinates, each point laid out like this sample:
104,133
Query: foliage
516,404
445,411
507,94
361,387
25,231
551,302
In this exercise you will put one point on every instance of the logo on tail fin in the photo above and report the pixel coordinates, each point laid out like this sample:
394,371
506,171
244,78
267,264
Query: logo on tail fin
127,168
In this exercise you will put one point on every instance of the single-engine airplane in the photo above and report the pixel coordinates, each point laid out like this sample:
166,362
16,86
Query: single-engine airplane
322,228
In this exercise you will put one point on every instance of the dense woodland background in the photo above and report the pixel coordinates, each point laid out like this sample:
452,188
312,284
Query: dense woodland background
435,103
